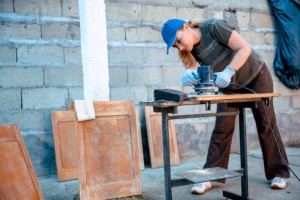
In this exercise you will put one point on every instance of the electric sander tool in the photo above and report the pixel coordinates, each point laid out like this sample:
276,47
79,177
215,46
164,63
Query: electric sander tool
205,86
205,82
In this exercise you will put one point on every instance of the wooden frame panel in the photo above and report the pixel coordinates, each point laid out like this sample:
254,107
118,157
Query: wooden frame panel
18,179
154,133
108,152
63,124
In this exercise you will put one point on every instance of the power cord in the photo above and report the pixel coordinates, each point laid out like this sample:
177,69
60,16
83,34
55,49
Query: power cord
277,145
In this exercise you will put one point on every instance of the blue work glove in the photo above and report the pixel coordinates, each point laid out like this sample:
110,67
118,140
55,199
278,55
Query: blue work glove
223,78
189,77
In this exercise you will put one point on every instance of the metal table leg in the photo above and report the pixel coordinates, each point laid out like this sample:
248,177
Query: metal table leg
166,149
243,157
243,149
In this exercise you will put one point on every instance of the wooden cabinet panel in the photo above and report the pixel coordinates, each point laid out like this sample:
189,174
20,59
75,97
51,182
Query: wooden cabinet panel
18,179
155,141
108,152
63,124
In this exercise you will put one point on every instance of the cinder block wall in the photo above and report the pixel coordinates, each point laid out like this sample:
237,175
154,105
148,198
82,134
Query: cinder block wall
138,63
41,70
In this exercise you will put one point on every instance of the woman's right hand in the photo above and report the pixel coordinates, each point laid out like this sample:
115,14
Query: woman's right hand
189,77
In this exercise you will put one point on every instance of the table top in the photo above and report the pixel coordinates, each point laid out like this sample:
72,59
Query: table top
232,98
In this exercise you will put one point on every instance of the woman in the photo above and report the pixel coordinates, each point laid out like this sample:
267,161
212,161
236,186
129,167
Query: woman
238,69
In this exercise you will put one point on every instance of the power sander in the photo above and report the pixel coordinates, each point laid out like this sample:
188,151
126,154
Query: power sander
205,86
205,82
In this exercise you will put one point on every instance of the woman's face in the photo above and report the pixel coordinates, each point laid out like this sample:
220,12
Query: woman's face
184,39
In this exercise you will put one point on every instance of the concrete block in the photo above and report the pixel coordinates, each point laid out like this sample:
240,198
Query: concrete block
125,55
193,136
26,119
243,19
296,102
20,31
40,148
73,56
118,75
40,54
173,74
288,124
192,13
50,8
61,31
26,7
21,77
282,103
258,6
39,98
285,91
62,77
123,11
270,38
261,21
33,120
70,8
145,75
8,54
210,13
143,34
253,37
115,33
135,93
158,56
75,93
10,99
6,6
162,13
48,119
217,14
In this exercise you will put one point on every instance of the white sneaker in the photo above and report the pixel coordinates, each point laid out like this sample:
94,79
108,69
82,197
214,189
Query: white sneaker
278,183
201,188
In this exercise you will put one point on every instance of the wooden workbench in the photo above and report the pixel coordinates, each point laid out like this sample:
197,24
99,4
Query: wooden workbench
241,101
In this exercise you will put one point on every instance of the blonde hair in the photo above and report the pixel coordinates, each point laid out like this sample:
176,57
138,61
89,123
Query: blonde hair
186,56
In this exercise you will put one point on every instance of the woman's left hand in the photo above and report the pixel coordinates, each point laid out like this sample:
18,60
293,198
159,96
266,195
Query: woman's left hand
223,78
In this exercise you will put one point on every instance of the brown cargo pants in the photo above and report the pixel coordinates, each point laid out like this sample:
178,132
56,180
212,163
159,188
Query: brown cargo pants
220,142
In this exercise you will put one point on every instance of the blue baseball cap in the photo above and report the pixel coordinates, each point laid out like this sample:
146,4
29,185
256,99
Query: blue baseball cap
169,31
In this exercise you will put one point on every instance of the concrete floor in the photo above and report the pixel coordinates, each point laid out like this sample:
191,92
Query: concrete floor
153,181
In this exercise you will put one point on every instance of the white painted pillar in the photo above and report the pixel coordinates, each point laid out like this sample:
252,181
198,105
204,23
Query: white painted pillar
94,50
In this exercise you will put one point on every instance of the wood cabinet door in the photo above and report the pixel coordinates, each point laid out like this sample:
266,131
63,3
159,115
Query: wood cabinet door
155,140
17,177
108,152
63,124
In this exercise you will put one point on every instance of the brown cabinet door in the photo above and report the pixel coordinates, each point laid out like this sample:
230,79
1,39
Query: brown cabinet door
17,177
108,152
63,124
139,138
155,141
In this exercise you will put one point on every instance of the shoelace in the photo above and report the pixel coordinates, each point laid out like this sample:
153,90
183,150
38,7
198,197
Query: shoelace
278,180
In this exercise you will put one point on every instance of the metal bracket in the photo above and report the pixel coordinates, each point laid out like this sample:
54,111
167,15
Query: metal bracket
208,105
266,101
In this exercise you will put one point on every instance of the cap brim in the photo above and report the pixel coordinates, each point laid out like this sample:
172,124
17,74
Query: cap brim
171,42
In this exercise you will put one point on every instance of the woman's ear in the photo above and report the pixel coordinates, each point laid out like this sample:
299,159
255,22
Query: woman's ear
185,27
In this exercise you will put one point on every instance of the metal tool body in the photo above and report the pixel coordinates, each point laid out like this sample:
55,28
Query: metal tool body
206,82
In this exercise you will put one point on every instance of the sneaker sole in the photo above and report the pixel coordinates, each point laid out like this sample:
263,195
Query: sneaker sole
195,192
278,187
